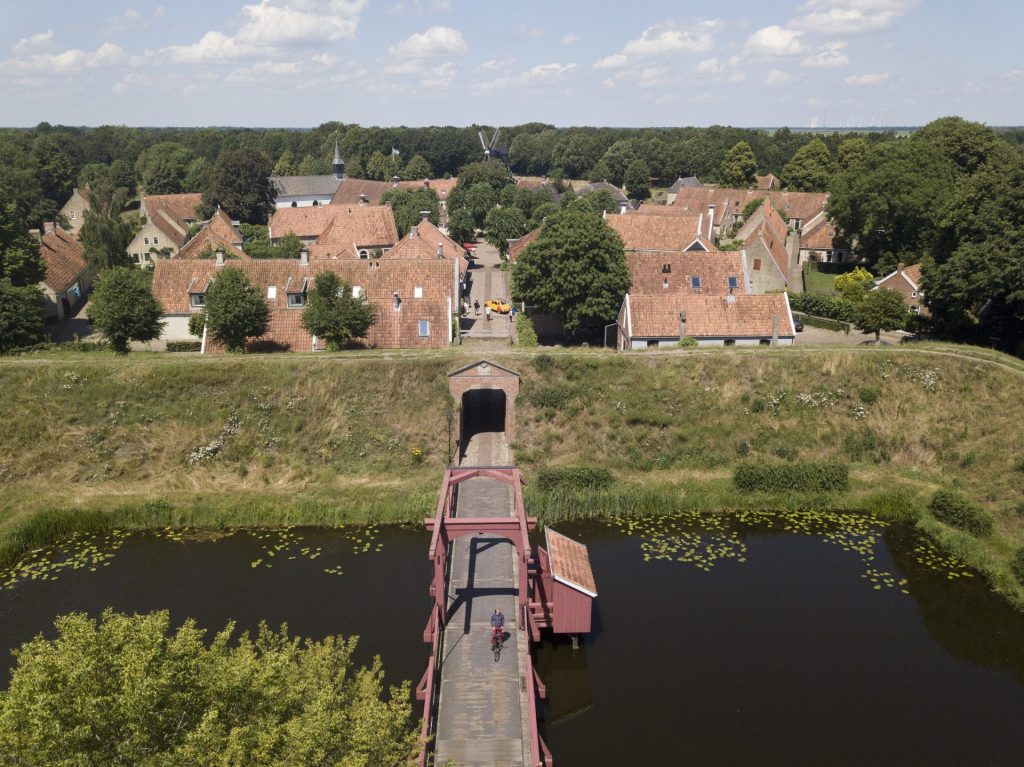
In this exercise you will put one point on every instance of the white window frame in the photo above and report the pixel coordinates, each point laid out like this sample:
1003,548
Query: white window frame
357,290
417,291
423,330
197,304
296,300
695,283
272,292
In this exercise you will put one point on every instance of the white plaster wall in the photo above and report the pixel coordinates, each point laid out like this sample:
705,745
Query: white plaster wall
176,328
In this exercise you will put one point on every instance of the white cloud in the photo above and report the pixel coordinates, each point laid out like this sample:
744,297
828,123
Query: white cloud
570,40
272,25
1014,75
778,77
159,12
132,78
34,41
774,41
128,19
868,79
497,65
709,67
667,38
439,78
411,67
648,77
260,71
525,31
436,41
848,17
829,55
546,73
68,62
614,61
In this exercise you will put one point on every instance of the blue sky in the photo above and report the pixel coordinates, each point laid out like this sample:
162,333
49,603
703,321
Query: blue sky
455,62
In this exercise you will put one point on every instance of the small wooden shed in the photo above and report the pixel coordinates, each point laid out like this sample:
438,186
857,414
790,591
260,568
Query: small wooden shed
566,584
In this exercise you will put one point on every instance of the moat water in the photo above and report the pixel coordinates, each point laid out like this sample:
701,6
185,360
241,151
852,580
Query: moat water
750,639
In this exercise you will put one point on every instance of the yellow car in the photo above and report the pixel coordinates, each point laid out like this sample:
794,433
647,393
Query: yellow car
498,306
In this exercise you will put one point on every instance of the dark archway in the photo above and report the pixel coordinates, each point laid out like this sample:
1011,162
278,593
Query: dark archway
483,410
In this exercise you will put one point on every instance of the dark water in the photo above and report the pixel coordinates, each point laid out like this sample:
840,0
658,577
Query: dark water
769,647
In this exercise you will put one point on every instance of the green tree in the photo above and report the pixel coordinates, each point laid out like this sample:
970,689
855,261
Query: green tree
461,227
20,262
502,225
852,152
619,157
285,165
811,168
540,213
417,169
638,180
600,201
239,183
495,174
21,315
880,310
739,166
890,203
478,200
968,145
354,168
123,309
132,690
853,286
162,168
575,269
197,175
381,167
407,205
54,169
334,314
105,235
600,172
235,310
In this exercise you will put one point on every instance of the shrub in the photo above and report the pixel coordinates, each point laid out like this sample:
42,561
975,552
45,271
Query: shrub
869,394
555,395
688,343
1017,565
543,363
184,346
894,504
830,307
799,477
574,478
526,335
955,509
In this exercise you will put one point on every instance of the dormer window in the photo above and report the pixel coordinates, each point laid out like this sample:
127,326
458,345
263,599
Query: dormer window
695,283
733,283
296,300
197,300
364,253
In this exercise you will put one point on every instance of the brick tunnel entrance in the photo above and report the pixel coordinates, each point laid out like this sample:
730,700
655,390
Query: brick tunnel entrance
485,394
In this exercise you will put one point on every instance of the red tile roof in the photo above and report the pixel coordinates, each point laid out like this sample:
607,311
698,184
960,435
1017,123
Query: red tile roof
520,245
570,562
352,188
307,222
656,232
360,226
378,279
802,205
822,237
648,275
736,316
64,257
218,234
421,243
775,245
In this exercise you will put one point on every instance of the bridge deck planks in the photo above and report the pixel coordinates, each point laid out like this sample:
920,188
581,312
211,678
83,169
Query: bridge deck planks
481,715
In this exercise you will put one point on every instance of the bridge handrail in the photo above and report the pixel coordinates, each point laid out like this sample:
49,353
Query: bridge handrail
425,691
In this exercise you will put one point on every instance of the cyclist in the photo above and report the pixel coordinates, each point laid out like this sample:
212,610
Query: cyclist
497,624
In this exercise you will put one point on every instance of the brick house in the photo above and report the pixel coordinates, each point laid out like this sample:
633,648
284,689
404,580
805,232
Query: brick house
819,241
168,218
726,206
356,231
651,321
906,280
414,299
75,208
661,230
218,234
67,279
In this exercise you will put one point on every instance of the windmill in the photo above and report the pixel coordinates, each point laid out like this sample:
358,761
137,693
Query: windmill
491,148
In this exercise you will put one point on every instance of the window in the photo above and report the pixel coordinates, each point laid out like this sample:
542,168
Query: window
296,300
146,240
271,292
652,344
295,204
364,254
666,268
765,342
913,294
417,292
424,329
197,300
757,264
72,216
730,342
733,283
316,202
915,309
357,290
664,283
155,242
695,283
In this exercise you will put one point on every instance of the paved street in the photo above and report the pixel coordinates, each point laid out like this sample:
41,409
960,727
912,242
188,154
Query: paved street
488,281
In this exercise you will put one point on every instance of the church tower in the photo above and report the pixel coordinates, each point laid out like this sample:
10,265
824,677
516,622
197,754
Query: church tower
338,165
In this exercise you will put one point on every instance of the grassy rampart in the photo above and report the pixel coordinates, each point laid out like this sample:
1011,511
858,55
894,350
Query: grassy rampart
159,440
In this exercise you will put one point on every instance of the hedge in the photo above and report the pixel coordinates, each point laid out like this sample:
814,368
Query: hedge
829,307
574,478
954,509
801,477
823,322
184,346
525,334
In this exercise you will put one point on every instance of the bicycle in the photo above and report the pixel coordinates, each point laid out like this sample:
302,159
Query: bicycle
497,640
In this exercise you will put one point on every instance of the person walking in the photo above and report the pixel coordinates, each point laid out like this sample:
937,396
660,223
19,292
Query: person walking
476,307
487,313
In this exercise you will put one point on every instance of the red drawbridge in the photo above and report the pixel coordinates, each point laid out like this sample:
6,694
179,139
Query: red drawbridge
476,711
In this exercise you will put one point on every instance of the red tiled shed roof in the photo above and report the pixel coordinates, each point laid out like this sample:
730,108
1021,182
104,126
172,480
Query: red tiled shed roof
736,316
570,562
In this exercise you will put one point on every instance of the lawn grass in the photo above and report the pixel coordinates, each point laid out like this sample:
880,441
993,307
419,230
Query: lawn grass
818,282
93,441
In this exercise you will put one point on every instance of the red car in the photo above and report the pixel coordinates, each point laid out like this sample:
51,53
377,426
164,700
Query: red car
469,246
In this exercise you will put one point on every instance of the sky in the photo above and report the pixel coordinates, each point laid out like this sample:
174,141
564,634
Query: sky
299,63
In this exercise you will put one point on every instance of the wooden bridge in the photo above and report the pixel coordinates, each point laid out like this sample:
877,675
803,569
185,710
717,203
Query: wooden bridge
478,711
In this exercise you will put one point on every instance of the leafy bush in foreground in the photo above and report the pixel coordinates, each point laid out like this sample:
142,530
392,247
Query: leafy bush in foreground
126,690
956,510
798,477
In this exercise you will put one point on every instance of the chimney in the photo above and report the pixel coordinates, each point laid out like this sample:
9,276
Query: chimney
303,257
49,227
36,235
220,256
682,324
900,267
711,218
394,182
424,215
414,231
700,225
775,330
440,250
